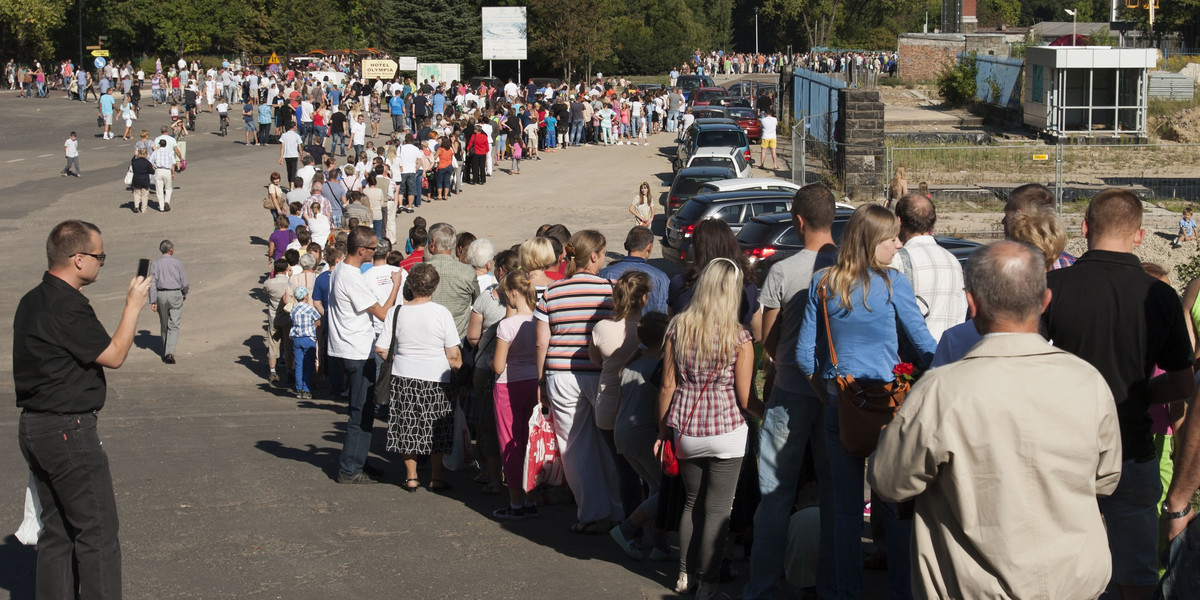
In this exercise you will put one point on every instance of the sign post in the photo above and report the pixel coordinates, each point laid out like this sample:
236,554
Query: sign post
505,35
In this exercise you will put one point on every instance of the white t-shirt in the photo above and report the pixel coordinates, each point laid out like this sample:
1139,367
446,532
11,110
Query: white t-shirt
379,277
306,173
350,330
423,332
319,226
769,124
408,158
72,148
358,133
291,144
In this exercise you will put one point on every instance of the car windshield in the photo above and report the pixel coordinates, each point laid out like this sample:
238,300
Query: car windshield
711,161
755,233
710,95
692,210
691,184
732,139
688,84
741,113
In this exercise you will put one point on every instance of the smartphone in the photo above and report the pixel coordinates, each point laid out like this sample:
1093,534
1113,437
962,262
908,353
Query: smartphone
143,267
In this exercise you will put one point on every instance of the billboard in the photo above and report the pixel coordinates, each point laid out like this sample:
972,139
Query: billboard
504,33
439,72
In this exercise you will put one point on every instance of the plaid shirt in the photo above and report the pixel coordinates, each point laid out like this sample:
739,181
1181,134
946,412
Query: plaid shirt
304,321
937,281
1064,260
321,201
163,158
705,403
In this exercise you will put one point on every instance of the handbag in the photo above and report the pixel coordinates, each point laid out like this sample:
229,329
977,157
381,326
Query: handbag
383,377
129,176
269,201
670,453
863,411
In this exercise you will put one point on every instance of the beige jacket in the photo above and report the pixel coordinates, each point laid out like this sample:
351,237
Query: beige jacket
1005,452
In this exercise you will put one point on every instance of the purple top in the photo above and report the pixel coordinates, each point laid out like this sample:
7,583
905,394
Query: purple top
281,237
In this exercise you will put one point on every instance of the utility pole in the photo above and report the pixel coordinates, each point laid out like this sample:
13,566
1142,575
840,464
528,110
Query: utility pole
756,30
80,20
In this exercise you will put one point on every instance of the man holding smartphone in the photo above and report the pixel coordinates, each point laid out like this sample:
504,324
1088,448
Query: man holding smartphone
60,350
167,293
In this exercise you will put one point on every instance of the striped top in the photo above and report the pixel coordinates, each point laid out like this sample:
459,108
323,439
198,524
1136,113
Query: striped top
571,307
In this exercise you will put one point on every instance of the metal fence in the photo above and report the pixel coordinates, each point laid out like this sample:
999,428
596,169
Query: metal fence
986,174
815,94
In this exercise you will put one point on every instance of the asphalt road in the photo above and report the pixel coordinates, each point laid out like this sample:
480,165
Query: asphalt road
224,484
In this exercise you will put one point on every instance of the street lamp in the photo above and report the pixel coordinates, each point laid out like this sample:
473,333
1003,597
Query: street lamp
1073,22
756,30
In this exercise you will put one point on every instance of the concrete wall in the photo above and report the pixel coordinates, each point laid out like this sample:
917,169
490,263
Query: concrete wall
860,142
923,56
988,44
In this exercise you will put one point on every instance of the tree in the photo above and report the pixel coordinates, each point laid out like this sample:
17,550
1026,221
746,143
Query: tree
573,33
31,24
993,13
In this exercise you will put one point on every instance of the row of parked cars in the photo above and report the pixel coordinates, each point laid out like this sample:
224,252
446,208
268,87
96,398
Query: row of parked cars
713,180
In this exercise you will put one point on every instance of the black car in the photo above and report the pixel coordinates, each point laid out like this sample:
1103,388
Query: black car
735,208
688,181
768,239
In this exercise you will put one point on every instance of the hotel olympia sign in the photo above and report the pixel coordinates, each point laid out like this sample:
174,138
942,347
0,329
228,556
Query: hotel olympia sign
504,33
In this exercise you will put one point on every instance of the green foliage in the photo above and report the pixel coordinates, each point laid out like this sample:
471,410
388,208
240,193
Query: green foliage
994,90
1188,270
30,22
993,13
956,83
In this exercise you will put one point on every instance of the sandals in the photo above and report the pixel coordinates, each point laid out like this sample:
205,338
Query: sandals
411,488
590,528
441,486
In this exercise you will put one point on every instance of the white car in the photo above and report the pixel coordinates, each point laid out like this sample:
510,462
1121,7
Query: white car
721,156
769,184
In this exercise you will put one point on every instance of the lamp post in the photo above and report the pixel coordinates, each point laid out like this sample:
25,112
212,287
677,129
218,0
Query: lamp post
756,30
1073,24
80,20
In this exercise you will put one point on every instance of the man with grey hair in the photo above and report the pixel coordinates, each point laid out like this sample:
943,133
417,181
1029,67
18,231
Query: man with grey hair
458,287
167,292
1005,495
935,274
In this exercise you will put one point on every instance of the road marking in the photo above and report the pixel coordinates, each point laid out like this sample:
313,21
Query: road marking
44,155
16,160
99,147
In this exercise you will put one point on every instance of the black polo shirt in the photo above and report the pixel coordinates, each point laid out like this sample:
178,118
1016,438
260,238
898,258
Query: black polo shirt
56,339
1106,310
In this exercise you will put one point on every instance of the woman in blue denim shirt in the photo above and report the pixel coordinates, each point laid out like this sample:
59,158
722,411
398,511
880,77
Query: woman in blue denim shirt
869,305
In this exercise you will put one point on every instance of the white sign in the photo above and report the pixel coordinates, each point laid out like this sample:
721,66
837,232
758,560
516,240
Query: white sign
407,63
439,72
504,33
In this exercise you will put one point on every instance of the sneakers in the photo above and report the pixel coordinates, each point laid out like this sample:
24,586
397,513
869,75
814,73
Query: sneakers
681,584
508,513
360,478
619,538
658,554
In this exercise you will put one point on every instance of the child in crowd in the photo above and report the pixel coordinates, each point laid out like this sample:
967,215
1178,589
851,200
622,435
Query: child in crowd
1187,228
517,151
515,393
305,319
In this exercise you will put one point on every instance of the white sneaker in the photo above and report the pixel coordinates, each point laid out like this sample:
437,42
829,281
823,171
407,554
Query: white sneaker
681,584
619,538
620,143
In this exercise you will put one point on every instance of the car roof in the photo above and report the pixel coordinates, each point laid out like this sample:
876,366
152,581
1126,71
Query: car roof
723,151
711,89
715,124
776,218
743,195
750,182
699,171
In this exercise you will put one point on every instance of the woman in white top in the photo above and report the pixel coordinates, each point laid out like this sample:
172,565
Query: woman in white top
318,225
422,419
642,207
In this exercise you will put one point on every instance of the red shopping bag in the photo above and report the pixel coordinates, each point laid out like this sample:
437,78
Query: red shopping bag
542,462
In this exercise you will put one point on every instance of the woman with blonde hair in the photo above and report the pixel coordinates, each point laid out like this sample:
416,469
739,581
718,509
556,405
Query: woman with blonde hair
642,207
869,305
898,187
708,367
535,255
565,315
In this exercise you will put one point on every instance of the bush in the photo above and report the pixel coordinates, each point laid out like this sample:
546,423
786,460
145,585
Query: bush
956,83
1188,270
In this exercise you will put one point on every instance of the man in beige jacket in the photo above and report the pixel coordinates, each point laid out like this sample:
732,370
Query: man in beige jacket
1005,452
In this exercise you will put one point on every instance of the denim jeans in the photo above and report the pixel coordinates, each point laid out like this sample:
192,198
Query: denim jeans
397,122
1131,519
672,119
339,144
846,473
444,178
417,194
304,353
78,551
360,377
790,422
1182,579
409,186
576,128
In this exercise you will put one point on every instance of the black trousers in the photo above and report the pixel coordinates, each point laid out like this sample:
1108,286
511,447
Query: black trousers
78,552
291,169
479,168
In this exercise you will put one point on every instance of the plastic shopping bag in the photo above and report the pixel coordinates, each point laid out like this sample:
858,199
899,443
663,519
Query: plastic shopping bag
31,526
460,456
543,465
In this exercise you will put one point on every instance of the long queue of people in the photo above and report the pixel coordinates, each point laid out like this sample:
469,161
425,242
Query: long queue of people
634,382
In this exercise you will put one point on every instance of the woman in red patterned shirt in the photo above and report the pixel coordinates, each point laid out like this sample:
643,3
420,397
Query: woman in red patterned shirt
707,373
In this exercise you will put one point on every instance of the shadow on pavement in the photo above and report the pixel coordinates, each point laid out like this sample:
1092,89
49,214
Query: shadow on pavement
20,564
148,341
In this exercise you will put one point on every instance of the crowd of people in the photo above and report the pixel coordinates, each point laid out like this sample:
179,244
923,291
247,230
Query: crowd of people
717,62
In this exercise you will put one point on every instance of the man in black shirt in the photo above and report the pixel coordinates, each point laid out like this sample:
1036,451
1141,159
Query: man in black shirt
60,350
337,129
1107,311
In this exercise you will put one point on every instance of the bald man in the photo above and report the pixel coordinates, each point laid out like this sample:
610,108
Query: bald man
935,274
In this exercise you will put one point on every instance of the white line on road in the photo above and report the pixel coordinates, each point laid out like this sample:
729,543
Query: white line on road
99,147
16,160
44,155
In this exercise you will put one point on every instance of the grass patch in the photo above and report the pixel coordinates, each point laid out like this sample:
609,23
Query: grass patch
1161,107
659,79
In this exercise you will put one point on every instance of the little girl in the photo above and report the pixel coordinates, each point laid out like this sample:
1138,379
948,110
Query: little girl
517,151
642,208
515,393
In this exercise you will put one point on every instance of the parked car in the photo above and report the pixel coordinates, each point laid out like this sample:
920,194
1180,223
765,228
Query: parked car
688,181
735,208
716,96
708,135
768,239
750,89
687,83
747,120
647,87
762,184
710,112
721,156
